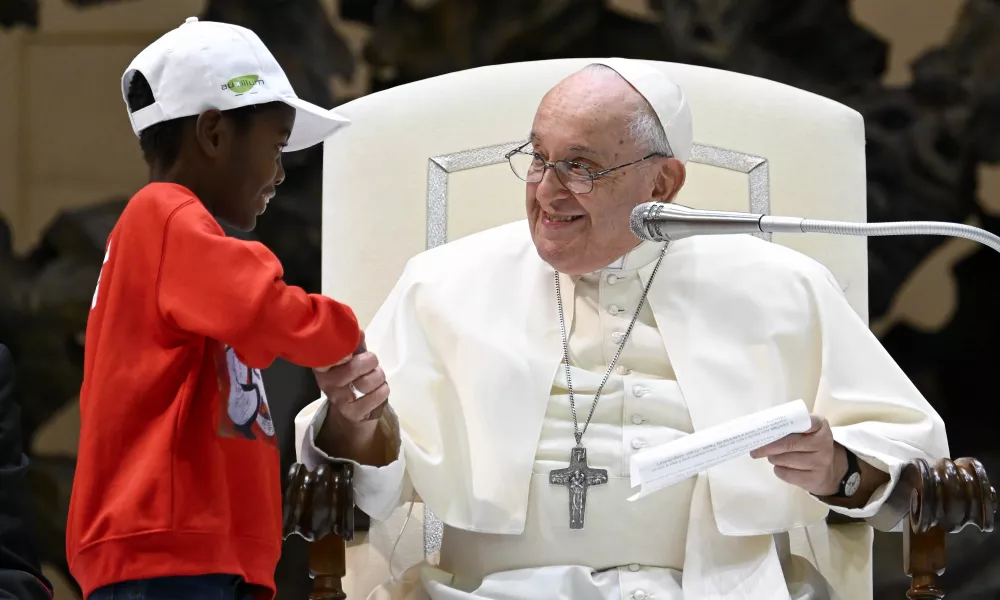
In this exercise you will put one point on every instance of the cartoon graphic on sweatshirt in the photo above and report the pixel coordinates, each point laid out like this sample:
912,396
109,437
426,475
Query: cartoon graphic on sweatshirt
245,400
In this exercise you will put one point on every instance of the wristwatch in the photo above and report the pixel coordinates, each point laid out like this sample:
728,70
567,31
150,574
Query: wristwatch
852,479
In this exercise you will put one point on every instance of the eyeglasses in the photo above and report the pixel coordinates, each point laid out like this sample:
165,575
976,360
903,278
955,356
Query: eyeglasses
577,178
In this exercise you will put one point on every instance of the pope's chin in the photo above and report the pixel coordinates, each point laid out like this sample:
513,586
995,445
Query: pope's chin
555,237
559,254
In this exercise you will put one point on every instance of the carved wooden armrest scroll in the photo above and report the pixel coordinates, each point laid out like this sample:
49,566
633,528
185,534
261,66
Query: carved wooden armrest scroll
319,506
944,498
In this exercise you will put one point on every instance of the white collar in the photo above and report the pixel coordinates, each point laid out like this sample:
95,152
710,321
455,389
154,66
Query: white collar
642,255
636,258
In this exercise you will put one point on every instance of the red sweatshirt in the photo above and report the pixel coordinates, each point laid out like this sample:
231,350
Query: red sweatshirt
178,470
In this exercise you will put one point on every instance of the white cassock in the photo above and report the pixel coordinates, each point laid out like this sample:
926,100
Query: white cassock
469,340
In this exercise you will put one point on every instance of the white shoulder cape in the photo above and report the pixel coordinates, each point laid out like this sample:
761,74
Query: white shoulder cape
469,340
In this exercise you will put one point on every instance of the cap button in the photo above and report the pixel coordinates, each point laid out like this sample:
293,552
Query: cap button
191,20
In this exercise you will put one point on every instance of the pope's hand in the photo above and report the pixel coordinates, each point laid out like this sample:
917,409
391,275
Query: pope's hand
359,372
810,460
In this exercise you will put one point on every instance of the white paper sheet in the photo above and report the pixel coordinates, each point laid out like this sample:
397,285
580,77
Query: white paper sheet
667,464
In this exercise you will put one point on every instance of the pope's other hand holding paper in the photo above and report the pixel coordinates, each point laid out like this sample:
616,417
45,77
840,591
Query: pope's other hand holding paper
799,445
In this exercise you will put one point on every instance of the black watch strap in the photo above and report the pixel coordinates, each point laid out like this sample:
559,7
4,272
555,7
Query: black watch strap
852,479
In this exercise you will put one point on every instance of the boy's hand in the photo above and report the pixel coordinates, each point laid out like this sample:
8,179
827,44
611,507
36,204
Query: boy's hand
361,348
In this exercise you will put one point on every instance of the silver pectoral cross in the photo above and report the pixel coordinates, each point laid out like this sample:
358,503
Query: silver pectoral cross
578,477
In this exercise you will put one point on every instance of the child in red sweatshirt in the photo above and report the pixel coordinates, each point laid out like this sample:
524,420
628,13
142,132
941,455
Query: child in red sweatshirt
177,488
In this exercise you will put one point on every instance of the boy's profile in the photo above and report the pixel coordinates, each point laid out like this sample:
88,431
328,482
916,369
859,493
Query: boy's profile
177,489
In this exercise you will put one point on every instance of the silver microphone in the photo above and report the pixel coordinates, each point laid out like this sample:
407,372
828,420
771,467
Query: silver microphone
665,222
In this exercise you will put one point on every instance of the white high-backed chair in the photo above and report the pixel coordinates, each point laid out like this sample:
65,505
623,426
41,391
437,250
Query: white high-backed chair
422,164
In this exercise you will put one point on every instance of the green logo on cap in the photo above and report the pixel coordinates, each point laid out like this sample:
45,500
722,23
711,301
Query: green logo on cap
243,84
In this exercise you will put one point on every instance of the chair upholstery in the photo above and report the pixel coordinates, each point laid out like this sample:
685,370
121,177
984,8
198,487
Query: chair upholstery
422,164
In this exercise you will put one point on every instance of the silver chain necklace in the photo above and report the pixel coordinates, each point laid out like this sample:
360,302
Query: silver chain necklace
579,477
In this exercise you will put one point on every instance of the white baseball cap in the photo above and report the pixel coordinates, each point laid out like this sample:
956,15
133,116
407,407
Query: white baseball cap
203,65
666,98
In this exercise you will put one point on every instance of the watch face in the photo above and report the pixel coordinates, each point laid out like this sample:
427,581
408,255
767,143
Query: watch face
852,484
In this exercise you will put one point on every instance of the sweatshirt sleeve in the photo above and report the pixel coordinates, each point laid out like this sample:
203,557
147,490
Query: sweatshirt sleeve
232,291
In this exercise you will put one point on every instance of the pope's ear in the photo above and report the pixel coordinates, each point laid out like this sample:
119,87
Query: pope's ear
670,179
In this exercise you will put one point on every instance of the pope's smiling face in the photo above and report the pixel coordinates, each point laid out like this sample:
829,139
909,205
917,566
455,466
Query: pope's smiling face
585,119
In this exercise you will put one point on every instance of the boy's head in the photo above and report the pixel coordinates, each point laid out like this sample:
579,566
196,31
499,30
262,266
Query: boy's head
214,111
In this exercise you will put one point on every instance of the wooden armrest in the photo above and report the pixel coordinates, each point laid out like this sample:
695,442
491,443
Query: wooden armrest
319,506
945,498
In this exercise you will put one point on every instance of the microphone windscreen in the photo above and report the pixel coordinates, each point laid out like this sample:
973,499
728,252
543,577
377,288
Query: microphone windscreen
637,220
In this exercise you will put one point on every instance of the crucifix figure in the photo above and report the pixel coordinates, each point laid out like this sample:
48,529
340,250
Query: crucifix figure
578,477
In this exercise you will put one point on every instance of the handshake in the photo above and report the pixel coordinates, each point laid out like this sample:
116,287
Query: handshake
355,387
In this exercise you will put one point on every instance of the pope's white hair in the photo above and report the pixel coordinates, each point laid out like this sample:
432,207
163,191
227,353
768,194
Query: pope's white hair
644,126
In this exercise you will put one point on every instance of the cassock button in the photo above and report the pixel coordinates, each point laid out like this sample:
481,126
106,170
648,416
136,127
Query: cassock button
639,595
633,567
616,337
614,310
622,370
638,444
638,391
637,419
612,279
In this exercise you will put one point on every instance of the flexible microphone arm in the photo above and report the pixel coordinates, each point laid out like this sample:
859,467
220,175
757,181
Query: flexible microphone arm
661,222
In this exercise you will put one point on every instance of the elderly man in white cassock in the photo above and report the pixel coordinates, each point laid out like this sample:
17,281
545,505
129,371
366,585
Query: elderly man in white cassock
510,351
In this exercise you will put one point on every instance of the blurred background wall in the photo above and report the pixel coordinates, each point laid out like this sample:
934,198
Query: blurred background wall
923,73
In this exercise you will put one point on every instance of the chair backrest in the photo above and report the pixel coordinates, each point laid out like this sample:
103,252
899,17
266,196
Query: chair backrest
422,164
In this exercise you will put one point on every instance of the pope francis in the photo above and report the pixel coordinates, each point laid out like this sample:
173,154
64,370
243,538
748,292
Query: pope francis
528,363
